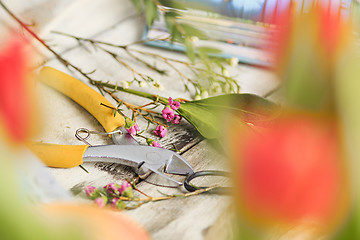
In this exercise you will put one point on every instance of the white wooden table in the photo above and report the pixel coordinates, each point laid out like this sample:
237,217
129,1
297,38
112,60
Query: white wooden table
117,21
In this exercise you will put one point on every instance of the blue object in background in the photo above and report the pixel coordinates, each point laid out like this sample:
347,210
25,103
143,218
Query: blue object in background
255,10
248,37
265,10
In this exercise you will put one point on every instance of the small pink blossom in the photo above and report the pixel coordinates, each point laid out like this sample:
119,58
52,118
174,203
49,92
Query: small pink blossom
131,126
112,188
168,114
117,203
156,144
134,129
177,119
174,104
89,190
101,201
160,131
114,202
152,143
125,185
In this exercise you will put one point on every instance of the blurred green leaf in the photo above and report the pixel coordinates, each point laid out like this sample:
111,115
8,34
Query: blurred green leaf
192,31
207,114
138,5
207,50
151,11
172,14
172,4
175,34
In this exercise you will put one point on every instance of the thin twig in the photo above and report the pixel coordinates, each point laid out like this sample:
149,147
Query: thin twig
107,43
134,72
61,59
166,60
148,65
138,190
135,109
156,199
129,105
66,63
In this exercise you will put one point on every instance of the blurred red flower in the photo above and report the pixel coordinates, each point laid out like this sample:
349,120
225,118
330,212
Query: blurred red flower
291,172
15,103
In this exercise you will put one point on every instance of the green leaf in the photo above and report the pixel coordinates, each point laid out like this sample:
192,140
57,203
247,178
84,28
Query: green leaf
172,4
174,32
138,5
207,50
186,88
151,11
192,31
206,115
172,14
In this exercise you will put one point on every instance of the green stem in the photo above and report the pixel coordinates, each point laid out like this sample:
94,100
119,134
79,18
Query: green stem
153,97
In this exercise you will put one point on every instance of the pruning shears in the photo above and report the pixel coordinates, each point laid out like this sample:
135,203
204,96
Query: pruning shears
126,150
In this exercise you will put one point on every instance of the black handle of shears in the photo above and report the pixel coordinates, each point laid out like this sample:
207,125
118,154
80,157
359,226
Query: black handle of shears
217,190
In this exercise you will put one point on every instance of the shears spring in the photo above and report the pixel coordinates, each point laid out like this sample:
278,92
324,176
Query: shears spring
89,132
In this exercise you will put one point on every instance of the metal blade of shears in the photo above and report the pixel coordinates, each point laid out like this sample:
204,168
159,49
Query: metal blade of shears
142,159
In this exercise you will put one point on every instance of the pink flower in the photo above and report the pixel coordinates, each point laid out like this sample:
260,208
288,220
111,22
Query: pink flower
152,143
112,188
160,131
177,119
174,104
101,201
89,190
125,185
117,203
168,114
114,202
156,144
133,129
131,126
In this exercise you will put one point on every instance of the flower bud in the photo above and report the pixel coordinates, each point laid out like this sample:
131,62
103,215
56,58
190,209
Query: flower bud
128,193
194,39
152,143
157,85
120,205
197,97
156,144
101,201
131,126
225,72
204,94
89,190
92,192
124,84
142,84
125,185
112,188
234,61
